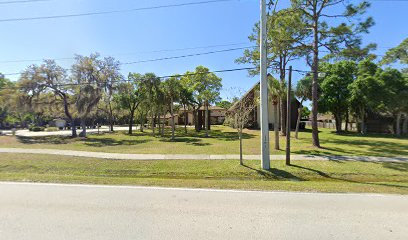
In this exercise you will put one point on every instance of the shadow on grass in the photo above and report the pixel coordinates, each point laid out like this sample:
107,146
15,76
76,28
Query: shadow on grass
187,140
375,146
45,140
359,147
275,174
104,142
403,167
325,175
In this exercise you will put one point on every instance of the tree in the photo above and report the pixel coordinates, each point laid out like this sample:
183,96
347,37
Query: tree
224,104
366,91
303,92
208,87
335,91
87,72
129,97
285,34
172,89
395,93
334,38
186,100
110,71
150,85
49,78
242,111
275,94
397,54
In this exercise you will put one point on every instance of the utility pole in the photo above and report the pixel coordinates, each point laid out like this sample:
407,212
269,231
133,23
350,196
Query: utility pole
266,164
288,119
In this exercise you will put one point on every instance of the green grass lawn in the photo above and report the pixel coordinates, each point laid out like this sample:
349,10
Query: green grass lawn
320,176
223,140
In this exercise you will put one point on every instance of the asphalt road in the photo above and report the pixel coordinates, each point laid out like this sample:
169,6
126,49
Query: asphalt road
41,212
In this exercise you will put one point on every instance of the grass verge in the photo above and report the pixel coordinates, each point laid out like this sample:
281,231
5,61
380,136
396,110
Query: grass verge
313,176
222,140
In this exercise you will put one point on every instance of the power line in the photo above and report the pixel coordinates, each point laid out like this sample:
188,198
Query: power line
125,81
22,1
163,59
134,53
113,11
185,56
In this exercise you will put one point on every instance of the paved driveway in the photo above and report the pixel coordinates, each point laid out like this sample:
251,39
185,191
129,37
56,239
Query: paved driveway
27,133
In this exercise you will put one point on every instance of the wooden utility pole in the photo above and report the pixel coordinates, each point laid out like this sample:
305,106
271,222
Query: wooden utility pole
288,119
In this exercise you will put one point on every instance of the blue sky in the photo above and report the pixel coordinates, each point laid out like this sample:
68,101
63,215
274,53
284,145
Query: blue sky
136,36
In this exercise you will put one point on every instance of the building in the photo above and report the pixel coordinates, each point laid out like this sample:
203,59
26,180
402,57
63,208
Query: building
255,118
216,115
186,116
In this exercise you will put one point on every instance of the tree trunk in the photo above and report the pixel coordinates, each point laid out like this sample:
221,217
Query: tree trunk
241,160
347,121
185,120
132,113
206,119
73,128
153,123
69,116
173,125
141,122
398,122
83,125
315,85
363,130
405,124
300,110
159,124
195,119
110,118
276,125
163,127
338,120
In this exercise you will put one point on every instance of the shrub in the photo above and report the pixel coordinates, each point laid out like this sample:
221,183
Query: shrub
52,129
36,129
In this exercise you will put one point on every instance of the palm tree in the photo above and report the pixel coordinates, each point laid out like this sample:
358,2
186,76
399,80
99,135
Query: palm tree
303,92
276,90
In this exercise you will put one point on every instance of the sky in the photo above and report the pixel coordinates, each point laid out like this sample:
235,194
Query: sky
158,33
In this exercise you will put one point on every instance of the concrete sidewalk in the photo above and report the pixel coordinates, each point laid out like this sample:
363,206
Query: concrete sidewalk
122,156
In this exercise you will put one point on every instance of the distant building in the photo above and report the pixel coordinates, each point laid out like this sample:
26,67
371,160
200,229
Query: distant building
58,123
255,118
182,117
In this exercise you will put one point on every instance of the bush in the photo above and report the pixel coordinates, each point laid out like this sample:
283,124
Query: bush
52,129
36,129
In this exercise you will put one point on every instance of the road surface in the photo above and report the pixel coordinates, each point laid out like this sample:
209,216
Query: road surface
43,211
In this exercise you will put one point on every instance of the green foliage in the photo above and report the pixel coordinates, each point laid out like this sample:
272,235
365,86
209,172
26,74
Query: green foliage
366,91
286,31
207,85
397,54
305,113
335,89
303,89
224,104
36,129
